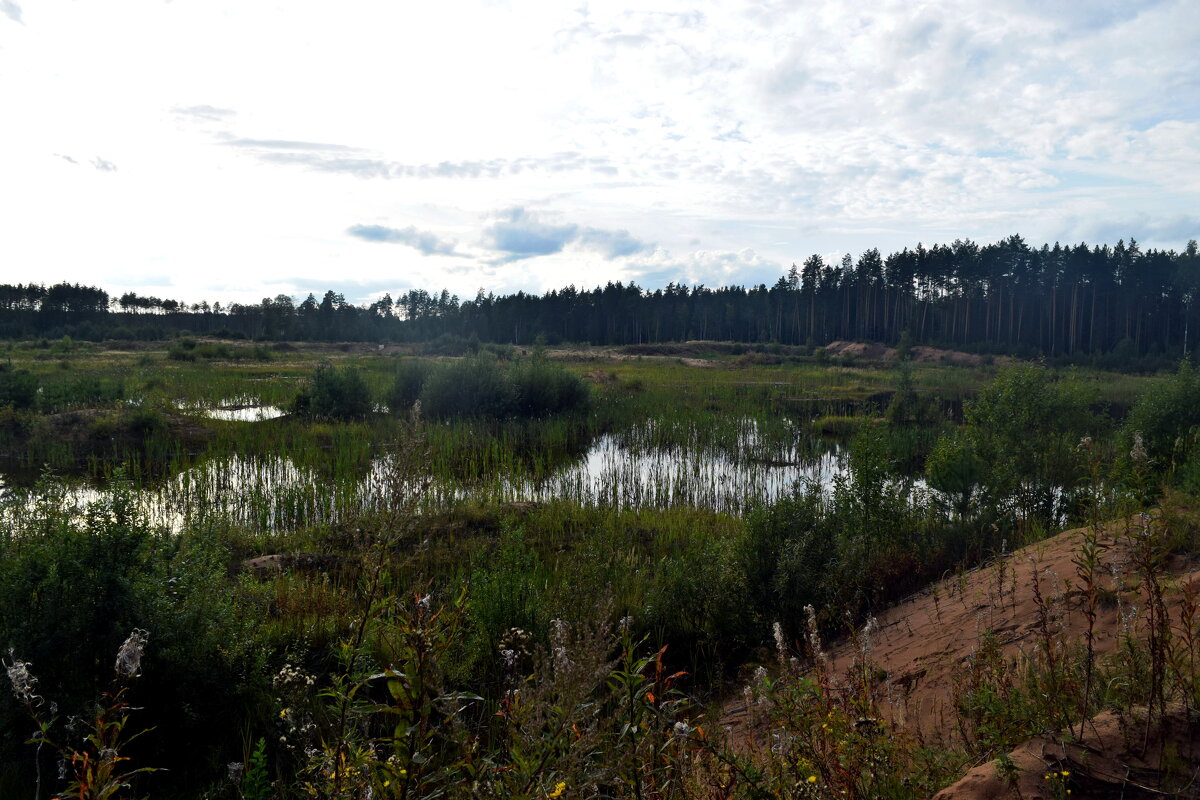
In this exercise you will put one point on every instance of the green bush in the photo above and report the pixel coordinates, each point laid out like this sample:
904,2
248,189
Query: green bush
475,387
407,385
481,387
87,391
543,389
18,388
334,394
74,582
1167,416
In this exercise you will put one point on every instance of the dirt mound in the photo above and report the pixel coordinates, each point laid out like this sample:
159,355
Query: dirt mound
863,351
873,351
923,642
1018,603
1115,760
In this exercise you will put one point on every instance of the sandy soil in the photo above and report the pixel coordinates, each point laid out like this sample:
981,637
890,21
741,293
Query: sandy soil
923,643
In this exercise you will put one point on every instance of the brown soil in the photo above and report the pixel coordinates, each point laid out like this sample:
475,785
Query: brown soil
923,643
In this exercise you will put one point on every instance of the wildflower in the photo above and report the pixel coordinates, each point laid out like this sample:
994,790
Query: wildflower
683,730
24,683
559,788
812,778
129,657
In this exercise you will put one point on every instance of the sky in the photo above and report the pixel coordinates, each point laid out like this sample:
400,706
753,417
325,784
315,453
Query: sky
230,151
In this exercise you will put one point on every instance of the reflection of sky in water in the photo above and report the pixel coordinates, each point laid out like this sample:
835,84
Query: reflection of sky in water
276,493
245,414
236,409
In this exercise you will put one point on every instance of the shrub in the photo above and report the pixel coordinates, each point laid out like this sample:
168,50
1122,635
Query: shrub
84,392
1167,417
18,388
475,387
407,386
333,393
543,389
180,353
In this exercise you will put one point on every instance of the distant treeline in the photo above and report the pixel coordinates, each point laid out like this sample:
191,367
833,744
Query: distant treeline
1057,301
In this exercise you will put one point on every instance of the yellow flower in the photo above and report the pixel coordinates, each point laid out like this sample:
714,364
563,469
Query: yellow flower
812,778
1064,773
559,788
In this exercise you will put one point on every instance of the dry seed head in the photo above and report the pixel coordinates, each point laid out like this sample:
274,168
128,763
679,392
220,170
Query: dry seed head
24,682
1138,451
129,657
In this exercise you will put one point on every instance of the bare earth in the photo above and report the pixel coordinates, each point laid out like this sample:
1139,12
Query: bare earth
923,642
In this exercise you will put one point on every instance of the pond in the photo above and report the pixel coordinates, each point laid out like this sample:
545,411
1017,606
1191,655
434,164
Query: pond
620,470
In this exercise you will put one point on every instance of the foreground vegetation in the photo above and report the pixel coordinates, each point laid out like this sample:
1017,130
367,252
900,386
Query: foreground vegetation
417,644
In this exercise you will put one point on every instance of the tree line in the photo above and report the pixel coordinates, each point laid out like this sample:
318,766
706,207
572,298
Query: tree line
1057,301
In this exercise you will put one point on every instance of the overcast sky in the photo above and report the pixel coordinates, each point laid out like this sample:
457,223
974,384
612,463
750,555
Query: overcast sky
199,149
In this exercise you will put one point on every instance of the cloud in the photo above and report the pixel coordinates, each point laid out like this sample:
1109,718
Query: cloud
709,267
11,10
204,112
424,241
102,165
611,244
340,158
68,159
285,144
518,234
1161,232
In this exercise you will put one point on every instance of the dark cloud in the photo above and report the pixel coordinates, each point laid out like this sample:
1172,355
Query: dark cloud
424,241
205,112
11,10
518,234
102,165
611,244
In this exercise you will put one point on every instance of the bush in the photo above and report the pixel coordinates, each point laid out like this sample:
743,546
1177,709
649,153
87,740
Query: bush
18,388
1167,417
407,386
180,353
543,389
336,394
72,586
84,392
475,387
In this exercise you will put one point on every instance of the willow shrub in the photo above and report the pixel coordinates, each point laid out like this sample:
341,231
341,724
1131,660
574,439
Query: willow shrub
483,387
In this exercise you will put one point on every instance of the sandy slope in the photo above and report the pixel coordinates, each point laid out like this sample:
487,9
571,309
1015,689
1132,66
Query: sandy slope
923,643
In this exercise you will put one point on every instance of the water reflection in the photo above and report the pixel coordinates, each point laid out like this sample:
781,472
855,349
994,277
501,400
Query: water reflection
618,470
